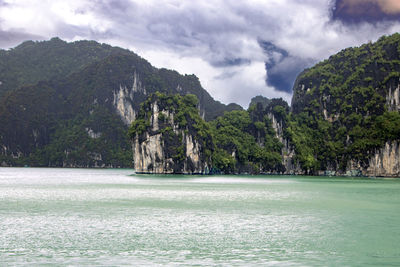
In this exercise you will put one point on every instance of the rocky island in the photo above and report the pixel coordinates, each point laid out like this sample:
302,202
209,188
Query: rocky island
344,120
169,136
74,107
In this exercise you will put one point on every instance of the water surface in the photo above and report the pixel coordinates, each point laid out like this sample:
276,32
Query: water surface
75,217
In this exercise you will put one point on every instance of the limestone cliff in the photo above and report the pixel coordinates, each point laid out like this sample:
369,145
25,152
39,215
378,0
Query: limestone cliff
345,112
123,100
386,161
344,120
393,98
170,137
74,106
383,161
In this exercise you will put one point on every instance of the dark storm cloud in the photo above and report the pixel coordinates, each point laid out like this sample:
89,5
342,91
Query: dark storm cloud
218,40
219,33
372,11
282,68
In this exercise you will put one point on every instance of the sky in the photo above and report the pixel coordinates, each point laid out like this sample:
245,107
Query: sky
237,48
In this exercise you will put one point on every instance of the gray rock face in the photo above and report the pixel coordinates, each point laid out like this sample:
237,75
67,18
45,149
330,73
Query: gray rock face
150,156
385,162
393,99
123,100
277,125
152,150
288,153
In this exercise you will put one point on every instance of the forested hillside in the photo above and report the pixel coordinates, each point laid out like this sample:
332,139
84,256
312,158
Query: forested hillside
70,104
31,62
168,127
344,120
347,107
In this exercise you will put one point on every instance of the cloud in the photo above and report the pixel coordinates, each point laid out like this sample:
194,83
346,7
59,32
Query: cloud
358,6
282,68
390,6
356,11
238,49
231,83
10,39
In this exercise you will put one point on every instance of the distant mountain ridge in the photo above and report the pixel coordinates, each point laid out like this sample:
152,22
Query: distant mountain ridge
69,104
31,62
344,118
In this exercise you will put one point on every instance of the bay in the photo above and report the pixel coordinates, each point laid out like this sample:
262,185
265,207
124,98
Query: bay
92,217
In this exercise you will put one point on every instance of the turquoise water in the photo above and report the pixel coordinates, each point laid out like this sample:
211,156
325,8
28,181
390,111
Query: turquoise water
86,217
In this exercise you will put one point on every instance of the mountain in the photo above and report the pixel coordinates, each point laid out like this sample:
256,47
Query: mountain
54,111
344,120
248,141
345,112
31,62
260,99
70,104
169,136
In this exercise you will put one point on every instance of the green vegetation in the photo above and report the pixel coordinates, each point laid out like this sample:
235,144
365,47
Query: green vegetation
177,115
339,106
340,113
31,62
246,142
260,99
239,141
52,92
61,110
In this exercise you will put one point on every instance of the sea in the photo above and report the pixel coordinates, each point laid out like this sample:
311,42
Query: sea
113,217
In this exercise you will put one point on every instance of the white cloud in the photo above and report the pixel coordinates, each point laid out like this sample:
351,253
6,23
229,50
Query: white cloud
78,13
218,40
26,15
239,83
